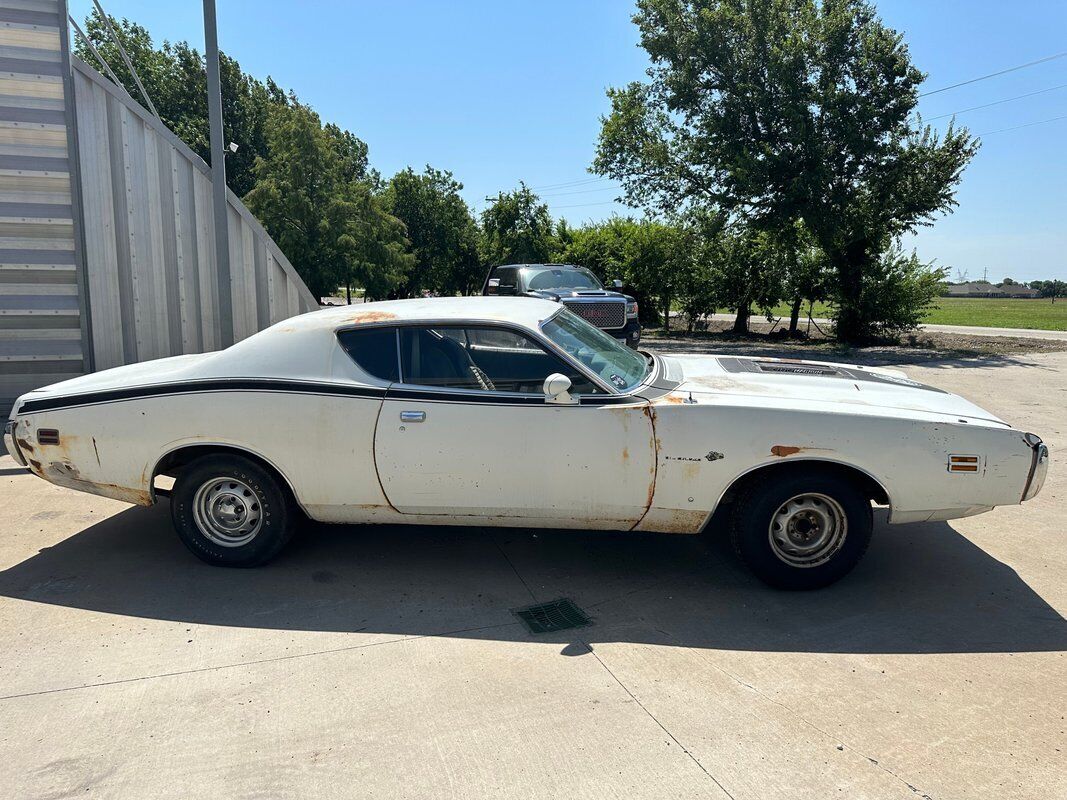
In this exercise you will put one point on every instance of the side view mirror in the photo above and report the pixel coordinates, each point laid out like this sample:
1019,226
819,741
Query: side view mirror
617,283
492,286
557,390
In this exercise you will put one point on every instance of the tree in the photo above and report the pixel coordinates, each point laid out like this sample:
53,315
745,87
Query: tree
660,263
897,291
517,229
443,233
604,248
334,231
1052,288
785,110
747,267
807,273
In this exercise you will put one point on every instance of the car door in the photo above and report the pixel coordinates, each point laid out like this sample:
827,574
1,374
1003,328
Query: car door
468,432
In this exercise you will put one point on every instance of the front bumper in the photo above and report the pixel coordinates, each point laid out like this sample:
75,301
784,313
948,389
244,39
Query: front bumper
629,335
1038,466
11,445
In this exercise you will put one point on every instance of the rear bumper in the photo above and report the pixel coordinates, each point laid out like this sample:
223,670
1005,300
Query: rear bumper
12,445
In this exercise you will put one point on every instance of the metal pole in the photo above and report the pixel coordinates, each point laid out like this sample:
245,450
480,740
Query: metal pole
122,52
218,174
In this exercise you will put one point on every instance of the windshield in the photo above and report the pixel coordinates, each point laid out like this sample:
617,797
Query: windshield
616,363
570,278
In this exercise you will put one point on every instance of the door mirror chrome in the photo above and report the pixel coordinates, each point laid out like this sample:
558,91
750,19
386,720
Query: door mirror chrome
557,390
617,283
493,286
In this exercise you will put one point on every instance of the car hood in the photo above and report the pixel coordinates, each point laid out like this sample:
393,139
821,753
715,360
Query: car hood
577,294
813,384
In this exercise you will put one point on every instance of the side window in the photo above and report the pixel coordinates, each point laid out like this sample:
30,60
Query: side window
506,276
482,359
373,350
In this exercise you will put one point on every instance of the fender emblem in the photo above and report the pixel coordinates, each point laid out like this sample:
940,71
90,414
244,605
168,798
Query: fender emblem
714,456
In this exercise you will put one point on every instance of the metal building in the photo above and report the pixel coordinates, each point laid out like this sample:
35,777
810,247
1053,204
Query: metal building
106,229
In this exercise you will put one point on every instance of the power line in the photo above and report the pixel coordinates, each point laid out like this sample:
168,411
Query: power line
995,74
1027,125
567,183
583,205
581,191
997,102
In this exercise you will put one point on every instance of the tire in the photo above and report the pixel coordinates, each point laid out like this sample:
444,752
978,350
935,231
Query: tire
231,512
802,530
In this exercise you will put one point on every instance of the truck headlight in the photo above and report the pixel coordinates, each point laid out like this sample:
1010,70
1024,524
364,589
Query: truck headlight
631,310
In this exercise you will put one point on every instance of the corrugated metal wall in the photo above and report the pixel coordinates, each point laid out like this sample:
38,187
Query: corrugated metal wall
106,229
150,259
41,325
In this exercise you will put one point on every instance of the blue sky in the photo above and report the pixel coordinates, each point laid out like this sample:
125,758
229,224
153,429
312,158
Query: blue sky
501,91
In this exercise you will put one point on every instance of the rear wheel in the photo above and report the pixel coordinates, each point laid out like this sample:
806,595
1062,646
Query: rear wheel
802,530
230,511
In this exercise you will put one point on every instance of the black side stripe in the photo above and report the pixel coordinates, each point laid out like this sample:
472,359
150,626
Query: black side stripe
296,387
195,387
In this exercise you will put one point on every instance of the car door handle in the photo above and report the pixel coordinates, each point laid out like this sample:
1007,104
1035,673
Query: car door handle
412,416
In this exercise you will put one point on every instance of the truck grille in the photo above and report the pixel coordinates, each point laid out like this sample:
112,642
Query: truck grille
607,314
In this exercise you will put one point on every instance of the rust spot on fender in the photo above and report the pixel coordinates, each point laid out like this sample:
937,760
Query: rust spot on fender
672,400
626,454
680,520
782,450
372,316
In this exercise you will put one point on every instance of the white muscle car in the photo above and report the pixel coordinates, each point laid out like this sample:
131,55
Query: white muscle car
515,412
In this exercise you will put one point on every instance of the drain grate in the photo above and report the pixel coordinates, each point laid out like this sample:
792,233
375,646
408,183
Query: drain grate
558,615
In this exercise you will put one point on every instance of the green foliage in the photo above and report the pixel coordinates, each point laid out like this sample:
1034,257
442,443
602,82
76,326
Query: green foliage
334,230
175,78
517,229
747,267
779,111
897,291
443,233
602,247
1051,289
653,259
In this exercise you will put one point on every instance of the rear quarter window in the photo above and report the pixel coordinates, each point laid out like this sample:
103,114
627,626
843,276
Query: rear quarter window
373,350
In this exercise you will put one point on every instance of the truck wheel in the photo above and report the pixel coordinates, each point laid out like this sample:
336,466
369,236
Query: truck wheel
230,511
801,531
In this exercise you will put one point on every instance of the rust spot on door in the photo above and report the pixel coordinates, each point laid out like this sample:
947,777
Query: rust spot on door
782,450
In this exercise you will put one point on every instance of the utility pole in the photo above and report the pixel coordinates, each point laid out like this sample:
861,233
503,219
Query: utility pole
218,174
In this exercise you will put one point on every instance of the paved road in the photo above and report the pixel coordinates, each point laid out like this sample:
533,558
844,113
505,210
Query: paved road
384,662
966,330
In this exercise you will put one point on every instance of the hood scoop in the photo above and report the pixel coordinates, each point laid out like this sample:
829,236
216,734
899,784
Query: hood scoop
812,369
797,369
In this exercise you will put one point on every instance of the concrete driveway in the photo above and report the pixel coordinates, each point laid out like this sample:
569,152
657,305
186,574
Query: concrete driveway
385,662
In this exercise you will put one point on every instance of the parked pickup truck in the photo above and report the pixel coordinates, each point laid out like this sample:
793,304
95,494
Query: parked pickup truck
577,288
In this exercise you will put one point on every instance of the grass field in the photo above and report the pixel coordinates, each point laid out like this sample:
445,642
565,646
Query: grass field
1043,315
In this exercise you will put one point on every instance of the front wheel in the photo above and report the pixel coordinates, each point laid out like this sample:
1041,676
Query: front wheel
230,511
803,530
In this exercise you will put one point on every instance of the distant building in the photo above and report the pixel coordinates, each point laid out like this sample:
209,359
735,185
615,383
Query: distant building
974,289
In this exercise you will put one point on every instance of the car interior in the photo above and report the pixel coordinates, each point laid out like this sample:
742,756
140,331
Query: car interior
485,359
